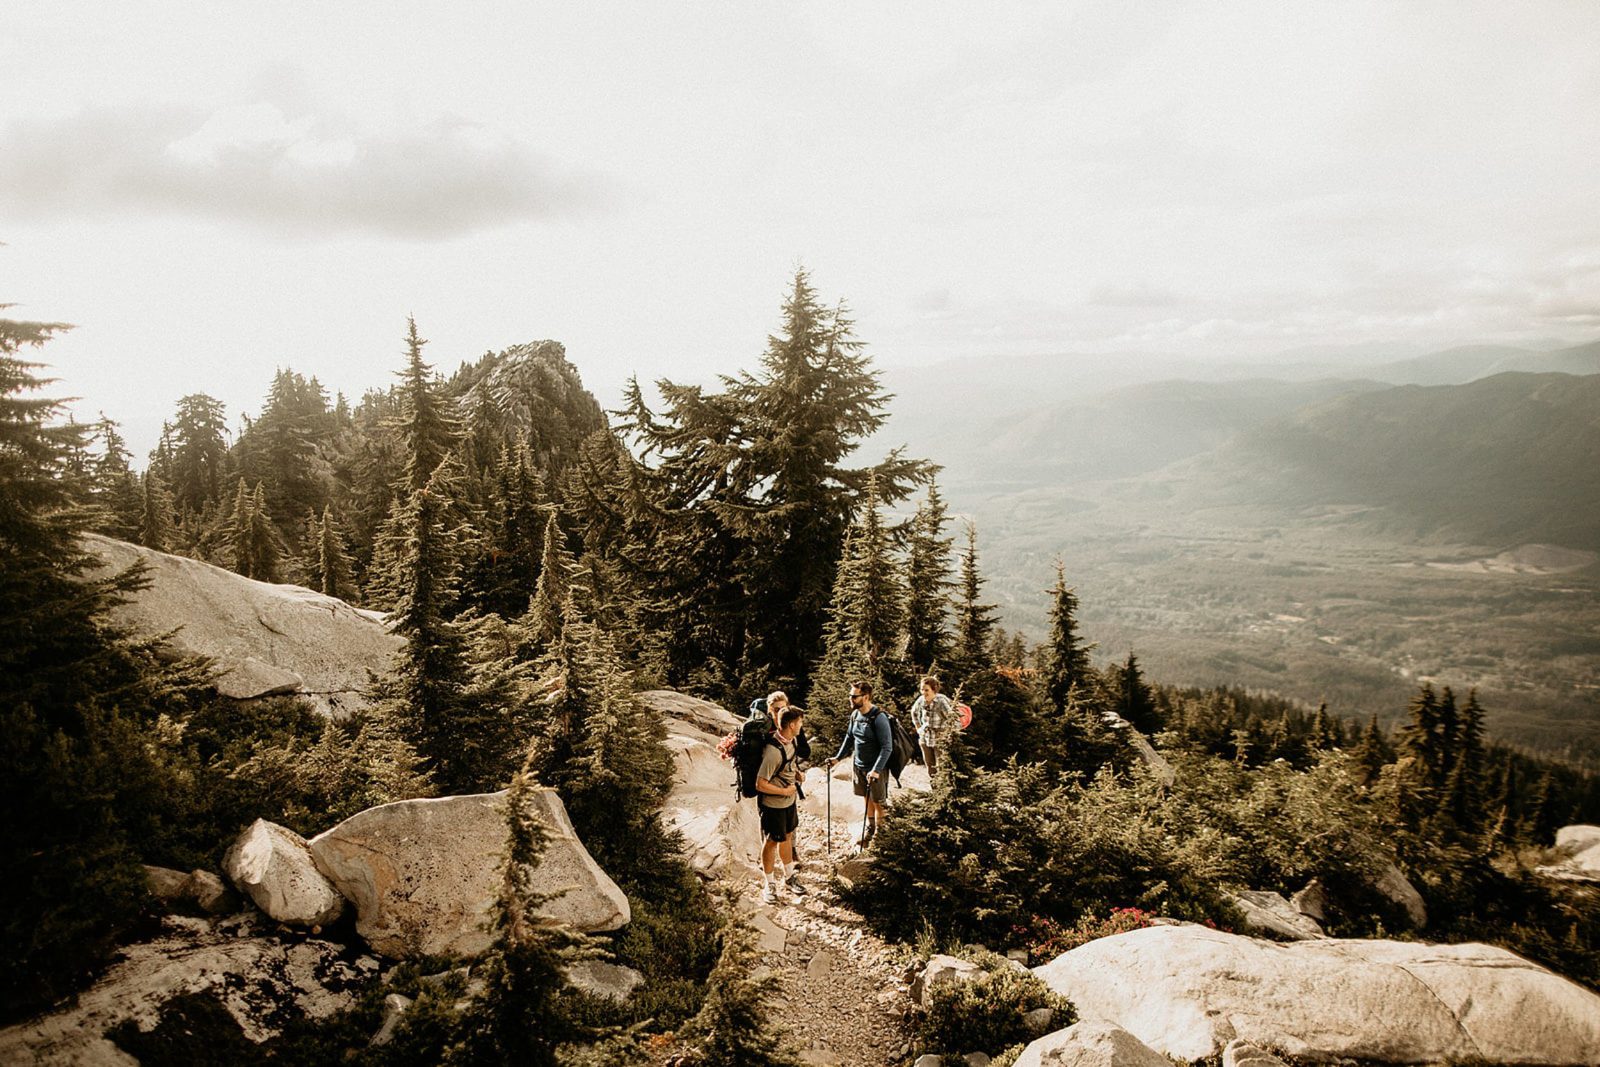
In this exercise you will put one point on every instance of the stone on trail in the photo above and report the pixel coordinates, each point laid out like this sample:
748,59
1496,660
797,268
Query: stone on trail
423,874
1312,901
1187,991
265,639
1398,889
210,892
395,1007
165,883
770,936
1090,1044
273,866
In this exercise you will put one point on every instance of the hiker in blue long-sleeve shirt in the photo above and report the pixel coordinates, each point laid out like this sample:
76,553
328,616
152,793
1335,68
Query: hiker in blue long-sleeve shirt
868,737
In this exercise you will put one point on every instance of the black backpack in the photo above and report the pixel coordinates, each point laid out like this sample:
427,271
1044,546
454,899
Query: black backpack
903,748
754,737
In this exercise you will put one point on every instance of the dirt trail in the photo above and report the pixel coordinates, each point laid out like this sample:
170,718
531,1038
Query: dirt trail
843,998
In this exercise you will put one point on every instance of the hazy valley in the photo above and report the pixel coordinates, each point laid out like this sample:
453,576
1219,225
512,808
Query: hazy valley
1330,538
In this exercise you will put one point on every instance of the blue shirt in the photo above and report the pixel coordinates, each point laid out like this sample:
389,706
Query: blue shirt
870,740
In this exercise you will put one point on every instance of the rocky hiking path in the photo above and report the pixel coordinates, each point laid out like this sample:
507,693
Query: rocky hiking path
843,999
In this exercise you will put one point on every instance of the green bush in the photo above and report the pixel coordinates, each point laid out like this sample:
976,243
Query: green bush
987,1013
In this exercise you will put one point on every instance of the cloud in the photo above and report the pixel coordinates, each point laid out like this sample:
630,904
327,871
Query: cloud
251,165
1140,294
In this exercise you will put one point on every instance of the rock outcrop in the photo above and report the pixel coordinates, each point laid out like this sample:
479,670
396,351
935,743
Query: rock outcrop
719,832
1577,855
265,639
273,866
1269,913
423,873
261,981
1187,991
1090,1044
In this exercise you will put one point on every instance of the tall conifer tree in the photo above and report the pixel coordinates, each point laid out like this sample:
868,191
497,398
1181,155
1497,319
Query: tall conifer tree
975,621
928,583
1066,660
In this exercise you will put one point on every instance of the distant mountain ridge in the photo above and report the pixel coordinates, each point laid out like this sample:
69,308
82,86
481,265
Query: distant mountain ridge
1504,460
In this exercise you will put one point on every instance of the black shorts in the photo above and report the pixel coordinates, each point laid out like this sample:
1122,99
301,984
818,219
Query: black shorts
778,823
878,790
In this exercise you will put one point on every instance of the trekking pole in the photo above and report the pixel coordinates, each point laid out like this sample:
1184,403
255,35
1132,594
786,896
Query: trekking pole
827,776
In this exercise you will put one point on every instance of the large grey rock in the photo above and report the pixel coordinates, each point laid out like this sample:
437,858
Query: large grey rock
166,884
1269,913
273,867
942,970
1395,887
266,639
1187,991
210,893
423,873
1576,856
1090,1044
1312,901
261,981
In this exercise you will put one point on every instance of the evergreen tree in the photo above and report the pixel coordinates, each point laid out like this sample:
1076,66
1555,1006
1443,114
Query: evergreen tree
281,449
751,497
1543,816
1133,698
426,423
928,583
880,614
198,452
462,737
1373,752
333,564
974,620
518,1019
603,751
1066,662
735,1026
115,487
542,622
78,782
157,529
1420,738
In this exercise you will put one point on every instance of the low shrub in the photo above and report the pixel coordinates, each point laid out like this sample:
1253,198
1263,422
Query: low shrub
987,1014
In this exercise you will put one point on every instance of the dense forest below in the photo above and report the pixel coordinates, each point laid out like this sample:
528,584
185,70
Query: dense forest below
542,559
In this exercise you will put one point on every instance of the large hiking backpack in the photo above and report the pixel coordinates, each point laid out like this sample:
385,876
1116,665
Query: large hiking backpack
903,748
906,750
751,742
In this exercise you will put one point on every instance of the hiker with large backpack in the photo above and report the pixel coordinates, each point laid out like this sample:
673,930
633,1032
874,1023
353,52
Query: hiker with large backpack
778,783
869,737
766,712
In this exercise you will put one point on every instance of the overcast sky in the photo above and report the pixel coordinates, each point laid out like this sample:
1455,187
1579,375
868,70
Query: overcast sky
211,191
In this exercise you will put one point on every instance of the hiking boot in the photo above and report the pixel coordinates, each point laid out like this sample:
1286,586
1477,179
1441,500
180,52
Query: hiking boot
769,894
792,884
